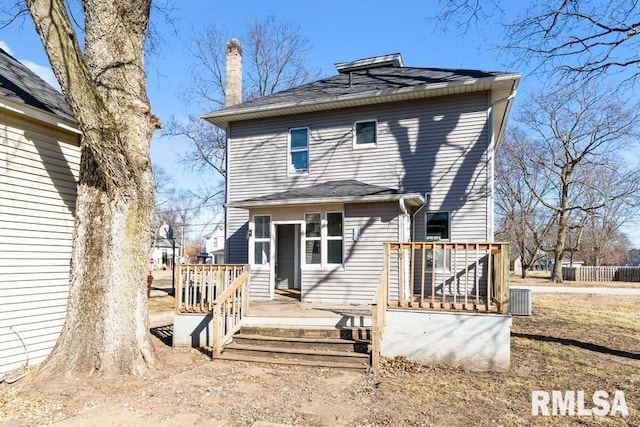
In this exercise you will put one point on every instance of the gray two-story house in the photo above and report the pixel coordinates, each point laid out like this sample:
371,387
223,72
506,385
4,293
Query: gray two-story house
321,175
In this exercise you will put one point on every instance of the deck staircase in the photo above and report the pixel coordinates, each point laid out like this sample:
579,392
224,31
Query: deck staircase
332,338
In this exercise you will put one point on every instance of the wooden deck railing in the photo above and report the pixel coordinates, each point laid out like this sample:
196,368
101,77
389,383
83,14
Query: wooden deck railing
448,275
228,311
198,285
379,313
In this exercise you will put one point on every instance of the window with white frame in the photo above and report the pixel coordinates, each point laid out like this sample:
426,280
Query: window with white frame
313,239
437,228
262,238
335,238
365,134
298,150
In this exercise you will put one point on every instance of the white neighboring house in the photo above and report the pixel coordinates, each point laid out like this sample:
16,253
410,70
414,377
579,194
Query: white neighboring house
162,251
39,163
214,244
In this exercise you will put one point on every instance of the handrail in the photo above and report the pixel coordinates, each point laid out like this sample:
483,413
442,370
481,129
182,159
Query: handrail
449,275
198,285
379,312
228,310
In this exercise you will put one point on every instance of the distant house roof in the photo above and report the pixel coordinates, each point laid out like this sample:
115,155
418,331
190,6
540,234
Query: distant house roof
364,82
163,242
20,85
344,191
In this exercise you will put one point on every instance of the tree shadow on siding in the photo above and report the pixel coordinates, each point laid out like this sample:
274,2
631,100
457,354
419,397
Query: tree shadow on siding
57,168
454,173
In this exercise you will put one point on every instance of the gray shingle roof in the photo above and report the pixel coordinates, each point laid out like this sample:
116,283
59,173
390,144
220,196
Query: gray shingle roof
22,85
363,87
375,81
331,192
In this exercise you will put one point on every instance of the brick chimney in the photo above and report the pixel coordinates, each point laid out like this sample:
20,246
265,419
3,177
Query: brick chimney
233,90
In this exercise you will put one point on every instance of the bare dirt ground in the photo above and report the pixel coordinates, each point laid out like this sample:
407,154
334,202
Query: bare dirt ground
572,342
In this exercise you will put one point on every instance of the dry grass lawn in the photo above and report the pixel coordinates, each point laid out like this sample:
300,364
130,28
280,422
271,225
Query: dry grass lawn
572,342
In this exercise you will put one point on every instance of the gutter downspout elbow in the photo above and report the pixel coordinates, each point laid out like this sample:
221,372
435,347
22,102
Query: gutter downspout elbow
403,206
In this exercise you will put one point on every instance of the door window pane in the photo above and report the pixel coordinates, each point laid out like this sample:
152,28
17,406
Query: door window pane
262,252
263,227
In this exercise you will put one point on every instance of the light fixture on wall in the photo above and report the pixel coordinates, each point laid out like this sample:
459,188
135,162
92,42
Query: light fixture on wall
356,233
249,234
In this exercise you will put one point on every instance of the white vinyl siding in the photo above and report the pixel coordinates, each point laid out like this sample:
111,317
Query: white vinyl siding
37,203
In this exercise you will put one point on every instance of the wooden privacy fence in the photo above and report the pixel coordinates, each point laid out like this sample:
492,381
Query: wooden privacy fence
470,276
198,285
601,274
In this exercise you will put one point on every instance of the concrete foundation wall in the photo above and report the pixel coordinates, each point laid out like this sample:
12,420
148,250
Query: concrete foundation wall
473,341
192,330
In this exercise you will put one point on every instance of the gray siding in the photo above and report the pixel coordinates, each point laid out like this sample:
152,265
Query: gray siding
260,283
38,174
357,282
437,145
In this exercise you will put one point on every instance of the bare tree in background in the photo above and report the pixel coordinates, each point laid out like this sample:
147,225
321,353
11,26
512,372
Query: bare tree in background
274,59
106,328
583,39
576,132
523,220
601,241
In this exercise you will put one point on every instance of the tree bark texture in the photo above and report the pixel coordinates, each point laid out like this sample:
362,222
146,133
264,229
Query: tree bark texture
107,328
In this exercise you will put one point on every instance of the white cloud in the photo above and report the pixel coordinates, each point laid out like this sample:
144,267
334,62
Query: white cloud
6,47
44,71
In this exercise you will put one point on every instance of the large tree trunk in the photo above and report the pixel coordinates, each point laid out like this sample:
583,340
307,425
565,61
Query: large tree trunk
561,237
106,328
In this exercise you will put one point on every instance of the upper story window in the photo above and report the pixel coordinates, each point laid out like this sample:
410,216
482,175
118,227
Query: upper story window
437,226
262,238
298,150
365,134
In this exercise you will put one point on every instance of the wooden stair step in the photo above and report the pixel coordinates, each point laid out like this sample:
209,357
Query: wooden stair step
302,343
296,353
316,363
360,333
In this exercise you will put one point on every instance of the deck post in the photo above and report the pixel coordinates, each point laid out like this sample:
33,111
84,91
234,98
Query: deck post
506,256
216,331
